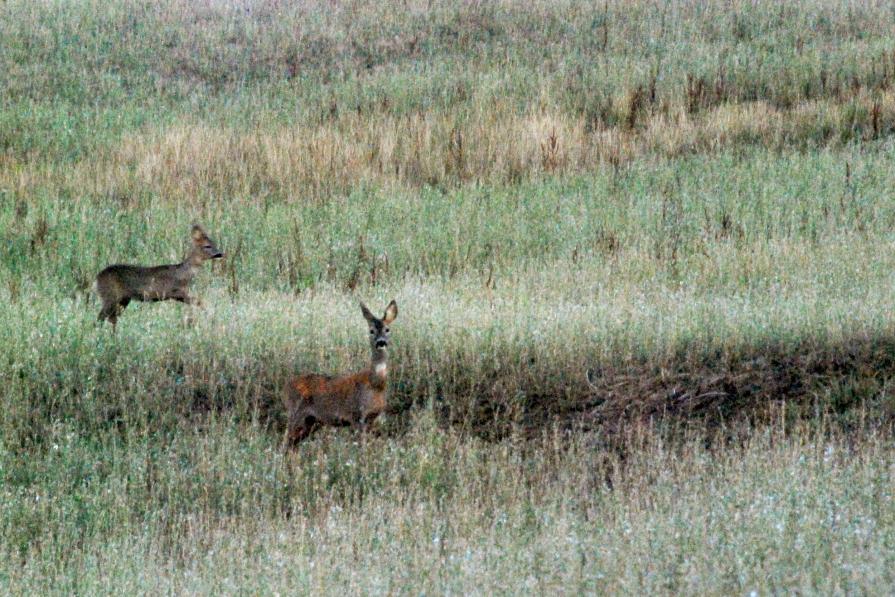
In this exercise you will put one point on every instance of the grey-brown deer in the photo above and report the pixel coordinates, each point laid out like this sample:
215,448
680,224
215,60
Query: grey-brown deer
118,285
354,399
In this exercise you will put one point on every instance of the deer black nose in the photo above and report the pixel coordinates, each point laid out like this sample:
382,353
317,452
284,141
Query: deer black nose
381,343
217,255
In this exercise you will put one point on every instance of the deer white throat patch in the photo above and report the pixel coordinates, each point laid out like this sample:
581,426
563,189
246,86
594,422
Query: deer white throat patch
380,368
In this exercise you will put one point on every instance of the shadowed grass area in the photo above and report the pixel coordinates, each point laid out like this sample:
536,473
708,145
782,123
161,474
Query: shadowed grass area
491,355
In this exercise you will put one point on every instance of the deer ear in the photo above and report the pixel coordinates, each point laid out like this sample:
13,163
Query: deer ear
197,233
390,313
367,315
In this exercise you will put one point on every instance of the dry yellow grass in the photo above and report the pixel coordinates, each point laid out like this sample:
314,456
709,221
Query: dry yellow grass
187,162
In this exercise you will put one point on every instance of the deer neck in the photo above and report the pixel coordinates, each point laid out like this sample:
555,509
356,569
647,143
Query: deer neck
380,363
192,263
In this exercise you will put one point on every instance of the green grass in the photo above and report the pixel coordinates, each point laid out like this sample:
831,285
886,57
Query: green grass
215,509
662,217
78,75
643,258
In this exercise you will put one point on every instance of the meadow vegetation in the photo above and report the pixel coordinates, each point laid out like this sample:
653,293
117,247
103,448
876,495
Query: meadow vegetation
643,253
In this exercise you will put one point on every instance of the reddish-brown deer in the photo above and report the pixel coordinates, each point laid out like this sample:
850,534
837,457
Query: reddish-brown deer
117,285
354,399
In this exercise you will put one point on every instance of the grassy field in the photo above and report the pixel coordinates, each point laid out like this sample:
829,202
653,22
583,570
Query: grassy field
216,509
644,258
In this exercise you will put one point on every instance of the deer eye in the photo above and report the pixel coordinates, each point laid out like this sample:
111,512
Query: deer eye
372,331
386,330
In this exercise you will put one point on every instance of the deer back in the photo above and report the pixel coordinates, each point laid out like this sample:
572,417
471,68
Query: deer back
337,400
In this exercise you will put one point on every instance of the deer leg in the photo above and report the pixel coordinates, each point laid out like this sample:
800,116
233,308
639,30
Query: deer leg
366,424
183,297
106,312
188,300
116,311
307,427
362,424
110,311
290,439
296,432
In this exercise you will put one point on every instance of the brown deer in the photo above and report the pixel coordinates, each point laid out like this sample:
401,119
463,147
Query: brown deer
354,399
117,285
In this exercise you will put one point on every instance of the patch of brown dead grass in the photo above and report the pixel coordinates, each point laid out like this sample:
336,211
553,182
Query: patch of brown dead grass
492,145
